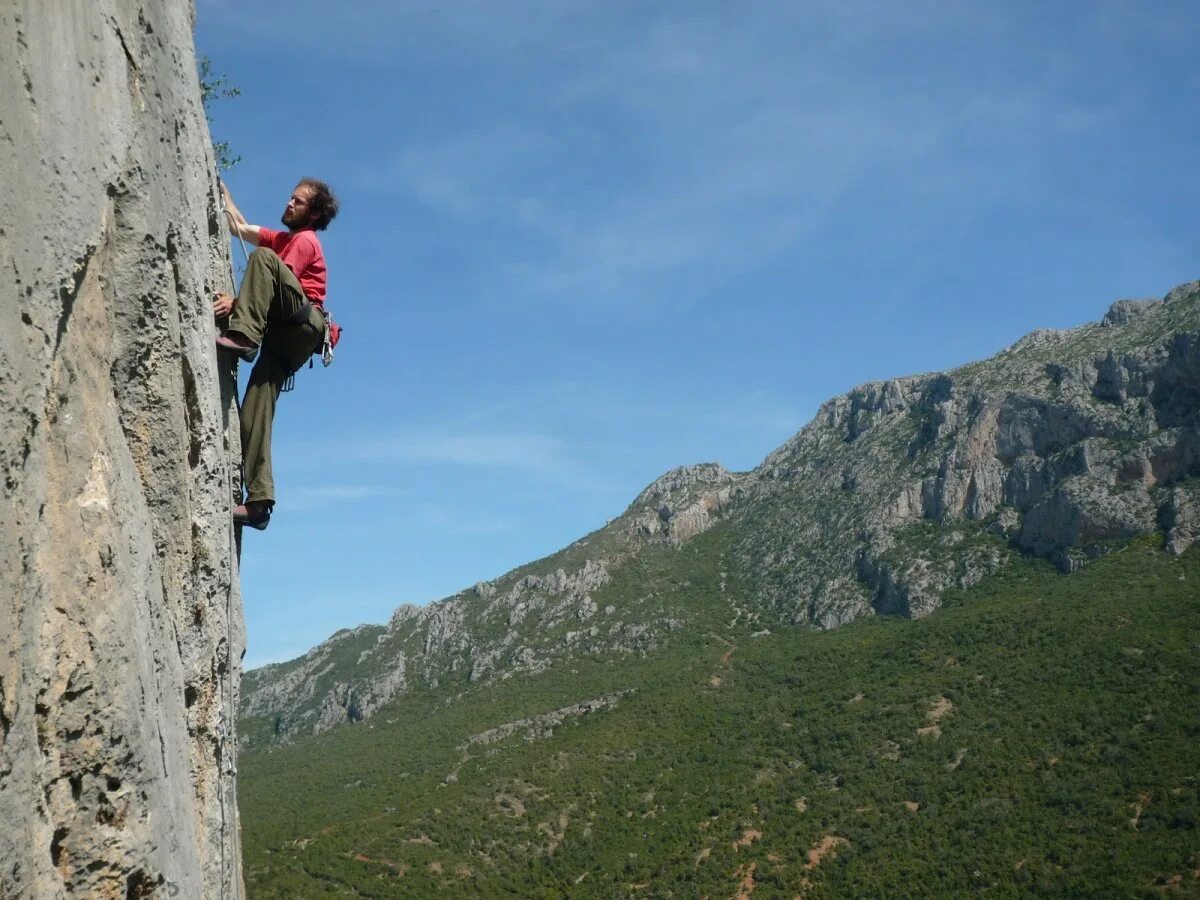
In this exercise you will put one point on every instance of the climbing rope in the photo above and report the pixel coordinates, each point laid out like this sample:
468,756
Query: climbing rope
245,252
227,736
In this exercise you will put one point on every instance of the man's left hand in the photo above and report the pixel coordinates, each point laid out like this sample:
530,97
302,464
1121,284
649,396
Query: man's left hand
223,305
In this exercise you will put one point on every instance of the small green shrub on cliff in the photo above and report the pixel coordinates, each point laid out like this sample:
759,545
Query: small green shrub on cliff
213,88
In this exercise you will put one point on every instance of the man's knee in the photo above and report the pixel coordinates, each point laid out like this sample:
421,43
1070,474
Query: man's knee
265,256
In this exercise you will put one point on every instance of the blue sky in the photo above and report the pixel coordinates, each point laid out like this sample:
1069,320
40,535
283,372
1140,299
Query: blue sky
584,243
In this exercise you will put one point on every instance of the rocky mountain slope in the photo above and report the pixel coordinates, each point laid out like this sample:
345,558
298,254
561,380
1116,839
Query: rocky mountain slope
1062,446
121,619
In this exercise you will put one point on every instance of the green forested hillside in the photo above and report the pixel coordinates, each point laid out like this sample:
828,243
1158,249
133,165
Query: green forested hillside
1038,734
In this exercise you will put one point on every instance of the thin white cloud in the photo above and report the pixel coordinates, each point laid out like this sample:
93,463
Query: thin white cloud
479,449
487,448
463,175
318,497
735,156
738,134
756,411
489,442
458,520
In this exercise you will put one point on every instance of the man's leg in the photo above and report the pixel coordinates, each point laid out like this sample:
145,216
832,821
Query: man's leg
269,291
258,415
285,350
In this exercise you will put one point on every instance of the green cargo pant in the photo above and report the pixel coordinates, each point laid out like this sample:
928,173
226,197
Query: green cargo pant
270,294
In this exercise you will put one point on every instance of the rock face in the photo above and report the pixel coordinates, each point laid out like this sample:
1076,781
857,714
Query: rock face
121,616
1062,446
542,726
683,503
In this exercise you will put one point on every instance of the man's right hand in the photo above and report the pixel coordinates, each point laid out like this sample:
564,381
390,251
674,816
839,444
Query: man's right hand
237,222
223,305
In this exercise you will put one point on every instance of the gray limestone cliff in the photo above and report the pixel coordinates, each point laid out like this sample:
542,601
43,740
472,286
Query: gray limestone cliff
121,615
1063,446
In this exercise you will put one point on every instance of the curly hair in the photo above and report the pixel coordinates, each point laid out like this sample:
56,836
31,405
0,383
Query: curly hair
323,205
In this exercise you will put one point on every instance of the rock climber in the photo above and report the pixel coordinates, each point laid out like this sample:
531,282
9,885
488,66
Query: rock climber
278,317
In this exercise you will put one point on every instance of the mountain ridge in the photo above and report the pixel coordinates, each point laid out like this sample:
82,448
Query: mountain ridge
1063,445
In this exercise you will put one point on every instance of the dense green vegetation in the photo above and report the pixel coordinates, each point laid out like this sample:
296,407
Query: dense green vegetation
1039,734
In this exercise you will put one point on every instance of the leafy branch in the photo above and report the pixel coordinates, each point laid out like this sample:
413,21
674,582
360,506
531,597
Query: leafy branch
213,88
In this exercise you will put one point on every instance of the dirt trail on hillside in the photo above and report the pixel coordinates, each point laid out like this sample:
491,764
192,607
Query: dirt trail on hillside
397,867
335,825
747,885
941,708
1139,807
749,836
715,680
824,847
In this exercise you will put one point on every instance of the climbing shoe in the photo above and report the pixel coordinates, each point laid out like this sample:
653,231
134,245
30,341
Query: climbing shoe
255,515
238,343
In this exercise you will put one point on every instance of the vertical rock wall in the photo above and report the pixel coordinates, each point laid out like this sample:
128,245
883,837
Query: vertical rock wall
120,617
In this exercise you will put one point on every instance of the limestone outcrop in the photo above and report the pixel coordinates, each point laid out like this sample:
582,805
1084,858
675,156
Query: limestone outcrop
121,616
542,726
684,502
1062,446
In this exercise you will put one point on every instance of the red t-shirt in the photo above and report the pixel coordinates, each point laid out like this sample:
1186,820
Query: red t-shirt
301,252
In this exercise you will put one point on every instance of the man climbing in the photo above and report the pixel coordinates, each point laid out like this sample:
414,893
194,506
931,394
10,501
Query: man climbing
276,316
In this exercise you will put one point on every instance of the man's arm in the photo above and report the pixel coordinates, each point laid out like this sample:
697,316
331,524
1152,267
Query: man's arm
237,222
